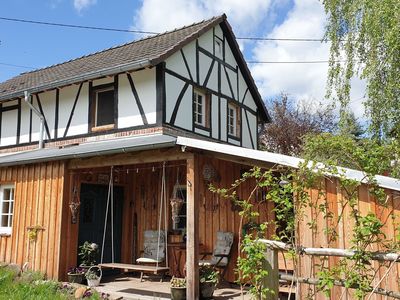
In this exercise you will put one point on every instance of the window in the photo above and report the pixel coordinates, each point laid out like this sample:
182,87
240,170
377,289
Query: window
201,109
233,120
7,208
103,108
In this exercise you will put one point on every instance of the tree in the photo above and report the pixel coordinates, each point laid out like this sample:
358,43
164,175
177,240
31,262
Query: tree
292,121
364,37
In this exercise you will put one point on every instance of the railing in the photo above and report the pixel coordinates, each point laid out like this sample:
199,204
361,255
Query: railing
272,281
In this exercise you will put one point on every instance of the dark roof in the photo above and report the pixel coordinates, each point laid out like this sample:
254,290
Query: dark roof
128,57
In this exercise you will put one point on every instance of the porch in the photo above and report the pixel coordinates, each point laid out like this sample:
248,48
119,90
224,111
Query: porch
131,288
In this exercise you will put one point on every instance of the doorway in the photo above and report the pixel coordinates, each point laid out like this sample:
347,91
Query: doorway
93,207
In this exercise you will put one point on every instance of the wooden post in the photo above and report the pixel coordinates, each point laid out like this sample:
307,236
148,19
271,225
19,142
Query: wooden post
272,280
192,229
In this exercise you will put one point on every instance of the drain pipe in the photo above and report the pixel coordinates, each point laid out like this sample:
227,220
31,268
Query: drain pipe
41,117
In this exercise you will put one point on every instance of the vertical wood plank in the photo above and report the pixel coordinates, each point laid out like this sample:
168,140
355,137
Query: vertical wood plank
192,250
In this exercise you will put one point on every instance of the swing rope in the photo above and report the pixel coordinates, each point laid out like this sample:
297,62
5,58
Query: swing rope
109,196
163,207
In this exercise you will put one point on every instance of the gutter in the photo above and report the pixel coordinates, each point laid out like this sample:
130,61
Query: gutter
41,117
88,76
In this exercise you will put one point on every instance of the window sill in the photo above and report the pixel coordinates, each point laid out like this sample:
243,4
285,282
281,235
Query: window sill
103,128
5,234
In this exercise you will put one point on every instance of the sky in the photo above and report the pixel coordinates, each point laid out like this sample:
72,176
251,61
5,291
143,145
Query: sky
25,46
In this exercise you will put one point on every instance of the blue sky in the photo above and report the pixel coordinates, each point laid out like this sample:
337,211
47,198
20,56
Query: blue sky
39,46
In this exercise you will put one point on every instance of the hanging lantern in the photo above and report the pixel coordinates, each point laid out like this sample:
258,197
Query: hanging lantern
74,206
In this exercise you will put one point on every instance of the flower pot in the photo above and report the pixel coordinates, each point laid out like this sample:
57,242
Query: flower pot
93,282
75,278
207,289
178,293
92,278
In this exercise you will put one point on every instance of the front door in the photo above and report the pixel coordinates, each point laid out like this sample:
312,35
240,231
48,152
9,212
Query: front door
92,219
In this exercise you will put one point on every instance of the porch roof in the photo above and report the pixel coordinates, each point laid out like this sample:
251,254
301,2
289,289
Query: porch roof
106,147
157,141
253,156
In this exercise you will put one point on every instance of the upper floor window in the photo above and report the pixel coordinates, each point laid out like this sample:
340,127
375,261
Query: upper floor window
233,120
7,208
201,108
218,46
103,102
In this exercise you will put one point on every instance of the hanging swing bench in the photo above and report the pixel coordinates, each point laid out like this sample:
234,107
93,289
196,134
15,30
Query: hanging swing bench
154,241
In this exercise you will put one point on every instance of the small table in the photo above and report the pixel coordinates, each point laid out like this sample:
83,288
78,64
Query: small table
177,248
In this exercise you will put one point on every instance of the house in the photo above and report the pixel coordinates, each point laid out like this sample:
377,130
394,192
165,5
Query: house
148,120
65,130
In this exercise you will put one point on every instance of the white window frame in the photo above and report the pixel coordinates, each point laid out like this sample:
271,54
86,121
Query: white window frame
10,213
232,128
201,113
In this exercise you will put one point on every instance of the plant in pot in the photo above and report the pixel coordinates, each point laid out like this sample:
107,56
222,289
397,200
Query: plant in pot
88,252
93,277
75,274
178,288
208,281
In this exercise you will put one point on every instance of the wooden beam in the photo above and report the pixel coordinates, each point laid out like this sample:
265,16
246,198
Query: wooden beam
192,228
138,157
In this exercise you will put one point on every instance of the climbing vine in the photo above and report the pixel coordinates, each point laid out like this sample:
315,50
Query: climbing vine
300,201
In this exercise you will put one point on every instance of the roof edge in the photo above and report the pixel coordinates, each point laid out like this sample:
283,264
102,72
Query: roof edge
247,74
188,40
284,160
80,78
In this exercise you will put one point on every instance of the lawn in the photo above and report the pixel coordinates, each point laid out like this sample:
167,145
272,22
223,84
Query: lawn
32,285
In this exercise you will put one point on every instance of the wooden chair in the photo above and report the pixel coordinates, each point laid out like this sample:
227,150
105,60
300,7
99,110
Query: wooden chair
221,255
150,245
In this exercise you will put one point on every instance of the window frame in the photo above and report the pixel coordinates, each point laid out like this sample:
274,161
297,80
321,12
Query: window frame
205,109
7,229
235,133
94,105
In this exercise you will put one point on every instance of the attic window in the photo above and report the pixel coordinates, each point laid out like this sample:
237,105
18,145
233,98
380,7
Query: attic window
102,109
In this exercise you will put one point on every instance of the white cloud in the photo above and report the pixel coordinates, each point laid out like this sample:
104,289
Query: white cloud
161,15
302,81
83,4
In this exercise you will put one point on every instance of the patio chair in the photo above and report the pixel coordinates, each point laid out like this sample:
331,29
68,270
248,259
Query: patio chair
220,257
152,256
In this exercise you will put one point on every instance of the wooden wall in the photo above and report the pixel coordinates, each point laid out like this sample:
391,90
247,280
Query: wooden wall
38,198
343,224
216,213
141,208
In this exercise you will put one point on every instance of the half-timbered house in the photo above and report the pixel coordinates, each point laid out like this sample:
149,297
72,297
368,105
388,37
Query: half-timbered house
158,117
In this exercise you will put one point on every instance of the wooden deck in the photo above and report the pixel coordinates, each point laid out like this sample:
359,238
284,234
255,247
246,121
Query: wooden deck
130,288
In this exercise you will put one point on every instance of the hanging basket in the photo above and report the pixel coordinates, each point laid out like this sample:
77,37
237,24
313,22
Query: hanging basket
176,205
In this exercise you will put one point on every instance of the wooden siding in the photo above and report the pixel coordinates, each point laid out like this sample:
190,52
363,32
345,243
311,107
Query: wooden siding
141,207
38,198
341,220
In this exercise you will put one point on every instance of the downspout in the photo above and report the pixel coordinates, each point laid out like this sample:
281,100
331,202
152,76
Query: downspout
41,117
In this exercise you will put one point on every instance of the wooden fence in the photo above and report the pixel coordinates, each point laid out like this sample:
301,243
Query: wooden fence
274,276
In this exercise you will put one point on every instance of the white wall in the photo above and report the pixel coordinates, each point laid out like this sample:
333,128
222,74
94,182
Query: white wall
232,87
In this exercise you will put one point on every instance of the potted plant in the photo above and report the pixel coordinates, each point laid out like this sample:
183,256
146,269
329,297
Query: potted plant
93,277
75,274
178,288
208,281
88,252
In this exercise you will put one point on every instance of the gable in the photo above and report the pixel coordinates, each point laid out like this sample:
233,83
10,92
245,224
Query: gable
209,63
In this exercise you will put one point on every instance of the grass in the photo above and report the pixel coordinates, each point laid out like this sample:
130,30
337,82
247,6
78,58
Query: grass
31,285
